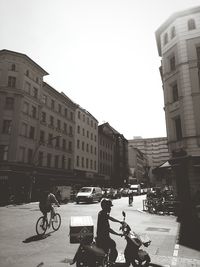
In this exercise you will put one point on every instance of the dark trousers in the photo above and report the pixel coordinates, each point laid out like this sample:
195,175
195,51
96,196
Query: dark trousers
108,244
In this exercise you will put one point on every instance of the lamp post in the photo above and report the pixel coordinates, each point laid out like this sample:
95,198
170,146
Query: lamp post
34,164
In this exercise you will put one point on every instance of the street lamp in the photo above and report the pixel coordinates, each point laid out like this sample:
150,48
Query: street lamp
34,164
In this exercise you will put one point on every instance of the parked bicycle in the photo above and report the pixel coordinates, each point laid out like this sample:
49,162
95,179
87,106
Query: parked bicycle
43,223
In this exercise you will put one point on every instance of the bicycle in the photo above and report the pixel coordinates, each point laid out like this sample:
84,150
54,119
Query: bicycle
42,223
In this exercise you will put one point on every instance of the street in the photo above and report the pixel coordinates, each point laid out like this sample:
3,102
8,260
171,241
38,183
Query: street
21,247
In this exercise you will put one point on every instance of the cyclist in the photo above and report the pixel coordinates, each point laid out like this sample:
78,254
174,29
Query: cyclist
46,203
103,230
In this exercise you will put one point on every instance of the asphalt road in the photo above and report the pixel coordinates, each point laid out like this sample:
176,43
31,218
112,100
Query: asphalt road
21,247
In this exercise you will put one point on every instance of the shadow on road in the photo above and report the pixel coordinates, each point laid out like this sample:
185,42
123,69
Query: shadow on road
36,238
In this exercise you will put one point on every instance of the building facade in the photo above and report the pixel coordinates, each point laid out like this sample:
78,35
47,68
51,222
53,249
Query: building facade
86,145
33,118
138,165
155,149
178,42
106,152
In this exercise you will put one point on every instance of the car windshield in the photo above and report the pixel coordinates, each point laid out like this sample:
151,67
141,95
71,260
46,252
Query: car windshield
85,189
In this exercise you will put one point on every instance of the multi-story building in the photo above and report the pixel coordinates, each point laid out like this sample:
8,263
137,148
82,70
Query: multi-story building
113,156
138,165
155,149
106,152
86,145
36,127
178,42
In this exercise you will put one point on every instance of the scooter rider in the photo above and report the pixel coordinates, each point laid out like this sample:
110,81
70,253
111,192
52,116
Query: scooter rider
103,239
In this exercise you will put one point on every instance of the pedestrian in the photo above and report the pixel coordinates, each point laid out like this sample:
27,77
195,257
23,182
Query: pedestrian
130,197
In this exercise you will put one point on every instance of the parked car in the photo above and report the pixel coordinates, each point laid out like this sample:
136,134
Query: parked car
89,194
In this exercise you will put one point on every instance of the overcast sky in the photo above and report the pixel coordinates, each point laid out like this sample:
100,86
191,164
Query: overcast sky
101,53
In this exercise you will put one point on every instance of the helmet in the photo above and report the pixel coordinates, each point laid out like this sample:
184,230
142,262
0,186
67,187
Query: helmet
106,203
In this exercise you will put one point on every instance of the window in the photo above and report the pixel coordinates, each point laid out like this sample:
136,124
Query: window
26,108
59,108
58,124
91,136
31,132
178,128
83,145
24,129
82,162
27,87
40,158
191,24
88,134
7,125
77,161
50,139
43,116
83,117
35,92
13,67
11,81
70,130
3,152
78,143
79,114
91,164
70,146
63,162
27,73
56,161
49,160
64,144
22,154
51,120
42,136
9,103
65,127
87,163
44,99
174,93
83,130
71,116
34,112
57,141
172,63
78,129
52,104
165,38
87,148
91,149
69,164
173,32
30,156
66,111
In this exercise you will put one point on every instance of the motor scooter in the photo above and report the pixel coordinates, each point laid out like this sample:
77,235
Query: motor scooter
134,255
89,254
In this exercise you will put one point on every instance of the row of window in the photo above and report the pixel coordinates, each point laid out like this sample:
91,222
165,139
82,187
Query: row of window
105,156
102,142
89,135
60,109
89,122
86,163
27,73
85,147
52,161
190,24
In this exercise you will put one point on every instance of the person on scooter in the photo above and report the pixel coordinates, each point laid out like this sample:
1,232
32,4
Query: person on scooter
103,239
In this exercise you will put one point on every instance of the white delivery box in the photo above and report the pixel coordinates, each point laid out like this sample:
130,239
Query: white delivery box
81,227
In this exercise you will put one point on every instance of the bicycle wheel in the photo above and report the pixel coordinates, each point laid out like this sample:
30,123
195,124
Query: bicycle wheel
56,221
41,225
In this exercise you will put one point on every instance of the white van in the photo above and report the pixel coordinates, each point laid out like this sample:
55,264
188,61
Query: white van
89,194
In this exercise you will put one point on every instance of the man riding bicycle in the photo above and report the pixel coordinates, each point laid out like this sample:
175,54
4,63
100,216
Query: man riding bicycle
47,199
